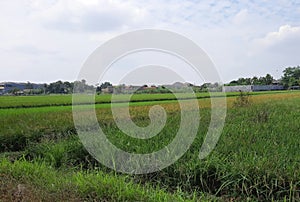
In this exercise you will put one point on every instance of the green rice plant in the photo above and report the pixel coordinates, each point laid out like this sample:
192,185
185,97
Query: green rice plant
66,100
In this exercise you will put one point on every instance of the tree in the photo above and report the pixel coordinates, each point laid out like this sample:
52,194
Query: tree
15,91
291,77
82,86
244,81
56,87
28,85
103,86
68,87
268,79
262,80
233,83
254,81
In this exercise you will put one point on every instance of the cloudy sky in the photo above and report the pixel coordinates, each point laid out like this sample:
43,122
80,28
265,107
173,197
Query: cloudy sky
49,40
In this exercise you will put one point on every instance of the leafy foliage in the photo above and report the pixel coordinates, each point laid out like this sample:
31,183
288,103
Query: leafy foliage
291,77
266,80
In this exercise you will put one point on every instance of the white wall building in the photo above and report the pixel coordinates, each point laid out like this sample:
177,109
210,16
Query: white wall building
251,88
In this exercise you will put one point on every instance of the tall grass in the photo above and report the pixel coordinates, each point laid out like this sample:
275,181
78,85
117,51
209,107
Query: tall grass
63,185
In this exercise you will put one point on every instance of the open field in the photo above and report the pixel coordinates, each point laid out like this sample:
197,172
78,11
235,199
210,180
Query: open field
257,157
66,100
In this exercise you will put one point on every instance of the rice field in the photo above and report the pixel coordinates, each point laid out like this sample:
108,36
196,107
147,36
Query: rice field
66,100
256,159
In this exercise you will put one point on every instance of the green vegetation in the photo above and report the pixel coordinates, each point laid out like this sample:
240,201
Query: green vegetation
264,80
256,158
66,100
291,77
242,100
37,181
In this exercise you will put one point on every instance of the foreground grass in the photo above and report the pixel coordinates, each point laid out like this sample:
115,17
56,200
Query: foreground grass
25,181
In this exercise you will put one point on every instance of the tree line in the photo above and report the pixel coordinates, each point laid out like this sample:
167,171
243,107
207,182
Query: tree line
264,80
66,87
289,79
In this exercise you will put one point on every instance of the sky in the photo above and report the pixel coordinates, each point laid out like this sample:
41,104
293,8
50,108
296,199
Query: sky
49,40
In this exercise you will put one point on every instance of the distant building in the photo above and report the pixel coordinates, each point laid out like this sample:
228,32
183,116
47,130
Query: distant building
108,89
178,85
252,88
2,88
8,87
148,88
244,88
132,88
129,89
294,88
267,87
276,82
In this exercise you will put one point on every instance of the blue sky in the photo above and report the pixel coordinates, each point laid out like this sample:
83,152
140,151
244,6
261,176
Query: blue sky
44,41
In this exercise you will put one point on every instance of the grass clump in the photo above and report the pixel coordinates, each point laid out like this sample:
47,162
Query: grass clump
242,100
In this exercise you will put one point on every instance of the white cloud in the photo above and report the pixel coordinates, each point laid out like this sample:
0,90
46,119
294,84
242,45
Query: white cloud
285,35
241,17
87,16
243,38
284,43
276,50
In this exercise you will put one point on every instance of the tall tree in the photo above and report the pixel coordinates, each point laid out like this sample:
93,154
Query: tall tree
268,79
254,81
291,77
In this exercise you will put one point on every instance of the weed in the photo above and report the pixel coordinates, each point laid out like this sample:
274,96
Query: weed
242,100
